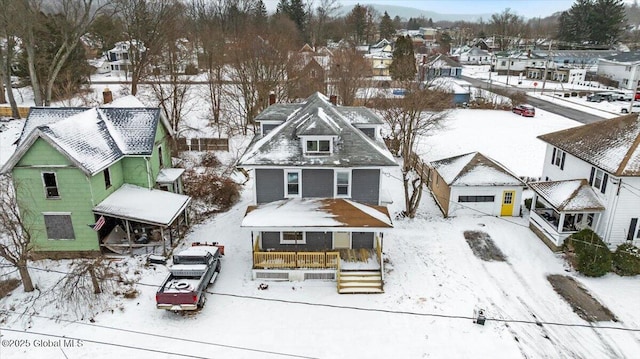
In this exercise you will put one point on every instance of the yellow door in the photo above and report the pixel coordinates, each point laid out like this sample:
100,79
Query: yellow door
341,240
507,203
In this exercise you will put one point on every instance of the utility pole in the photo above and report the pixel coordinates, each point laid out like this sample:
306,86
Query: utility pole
546,63
634,85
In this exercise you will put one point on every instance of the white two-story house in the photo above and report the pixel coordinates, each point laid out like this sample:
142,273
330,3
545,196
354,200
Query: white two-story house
318,212
592,180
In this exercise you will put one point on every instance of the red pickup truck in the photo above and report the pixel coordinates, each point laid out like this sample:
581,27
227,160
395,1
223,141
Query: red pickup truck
192,271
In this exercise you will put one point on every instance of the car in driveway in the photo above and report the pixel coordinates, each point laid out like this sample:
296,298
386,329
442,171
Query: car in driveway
634,108
524,110
601,96
622,96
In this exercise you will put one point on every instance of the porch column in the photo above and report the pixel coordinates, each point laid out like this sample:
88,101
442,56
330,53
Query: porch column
164,243
126,222
560,222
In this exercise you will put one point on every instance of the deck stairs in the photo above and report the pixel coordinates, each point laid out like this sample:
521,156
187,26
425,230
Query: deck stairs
359,282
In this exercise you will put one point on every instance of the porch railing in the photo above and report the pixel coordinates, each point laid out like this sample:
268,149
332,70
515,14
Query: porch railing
296,259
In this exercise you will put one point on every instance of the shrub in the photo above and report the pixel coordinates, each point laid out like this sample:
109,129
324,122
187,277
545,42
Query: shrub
210,160
213,190
591,256
626,260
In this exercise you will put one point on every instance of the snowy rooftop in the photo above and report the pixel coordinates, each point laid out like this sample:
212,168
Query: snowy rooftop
282,145
573,195
611,145
474,169
169,175
316,213
143,205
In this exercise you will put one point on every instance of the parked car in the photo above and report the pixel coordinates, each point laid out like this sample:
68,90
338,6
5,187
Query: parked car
634,108
622,96
600,96
524,110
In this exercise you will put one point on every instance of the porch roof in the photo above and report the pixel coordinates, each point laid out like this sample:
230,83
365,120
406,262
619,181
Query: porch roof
143,205
566,196
316,212
169,175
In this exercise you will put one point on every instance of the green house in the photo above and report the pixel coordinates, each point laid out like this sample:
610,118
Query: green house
92,180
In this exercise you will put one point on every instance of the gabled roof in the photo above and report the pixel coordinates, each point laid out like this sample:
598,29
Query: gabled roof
315,116
440,61
612,145
572,195
316,212
92,138
474,169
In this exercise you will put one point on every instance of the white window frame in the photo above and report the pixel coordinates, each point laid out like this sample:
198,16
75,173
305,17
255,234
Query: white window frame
284,241
286,184
317,140
44,185
557,159
335,181
596,179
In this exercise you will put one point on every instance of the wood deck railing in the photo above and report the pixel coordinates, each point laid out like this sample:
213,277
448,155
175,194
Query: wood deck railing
296,259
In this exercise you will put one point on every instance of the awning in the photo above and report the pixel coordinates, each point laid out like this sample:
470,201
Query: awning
143,205
169,175
317,213
569,196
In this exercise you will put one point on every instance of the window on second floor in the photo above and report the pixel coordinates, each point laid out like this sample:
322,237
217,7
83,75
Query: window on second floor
50,185
598,179
319,147
107,178
343,188
292,185
557,157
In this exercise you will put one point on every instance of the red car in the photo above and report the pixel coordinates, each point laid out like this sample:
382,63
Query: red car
524,110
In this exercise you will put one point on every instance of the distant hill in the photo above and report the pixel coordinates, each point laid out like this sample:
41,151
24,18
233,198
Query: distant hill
410,12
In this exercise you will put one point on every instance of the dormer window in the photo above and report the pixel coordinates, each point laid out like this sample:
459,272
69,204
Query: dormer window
318,147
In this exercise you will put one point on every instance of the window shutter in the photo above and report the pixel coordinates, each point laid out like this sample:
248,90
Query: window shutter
632,228
593,172
553,156
604,182
564,154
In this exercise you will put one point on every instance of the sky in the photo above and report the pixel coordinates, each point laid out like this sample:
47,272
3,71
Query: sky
525,8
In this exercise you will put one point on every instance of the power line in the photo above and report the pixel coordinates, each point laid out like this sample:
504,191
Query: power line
163,336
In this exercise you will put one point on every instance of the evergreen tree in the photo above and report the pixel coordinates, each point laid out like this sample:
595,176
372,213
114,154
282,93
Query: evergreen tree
295,10
260,11
387,29
357,23
598,22
403,67
397,22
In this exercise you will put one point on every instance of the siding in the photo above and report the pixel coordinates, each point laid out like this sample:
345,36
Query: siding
483,208
361,240
440,191
135,171
317,183
365,187
269,185
319,241
316,241
626,208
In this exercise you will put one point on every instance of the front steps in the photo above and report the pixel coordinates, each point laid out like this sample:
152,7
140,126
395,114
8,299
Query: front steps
360,282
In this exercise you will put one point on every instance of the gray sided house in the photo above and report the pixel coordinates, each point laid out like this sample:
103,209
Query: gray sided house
318,211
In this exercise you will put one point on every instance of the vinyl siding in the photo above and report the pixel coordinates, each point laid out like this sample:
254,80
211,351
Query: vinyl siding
315,241
365,186
269,185
317,183
362,240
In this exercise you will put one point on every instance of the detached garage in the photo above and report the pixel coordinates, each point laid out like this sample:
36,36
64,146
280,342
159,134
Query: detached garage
473,184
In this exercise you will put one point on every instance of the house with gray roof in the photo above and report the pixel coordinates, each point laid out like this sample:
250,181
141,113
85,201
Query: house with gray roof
474,184
97,180
318,210
591,180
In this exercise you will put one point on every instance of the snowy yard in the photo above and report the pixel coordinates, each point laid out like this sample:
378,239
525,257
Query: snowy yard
433,283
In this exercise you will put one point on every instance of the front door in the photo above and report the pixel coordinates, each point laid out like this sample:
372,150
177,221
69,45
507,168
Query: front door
341,240
507,203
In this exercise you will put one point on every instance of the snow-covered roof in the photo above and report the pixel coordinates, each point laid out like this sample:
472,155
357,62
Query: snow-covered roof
474,169
282,146
572,195
612,145
316,212
92,138
169,175
451,85
144,205
440,61
359,115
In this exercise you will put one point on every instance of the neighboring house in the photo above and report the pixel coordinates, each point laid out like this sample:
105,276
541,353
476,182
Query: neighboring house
318,211
623,68
474,184
92,179
438,65
460,89
514,64
558,74
592,180
380,57
120,56
308,71
474,56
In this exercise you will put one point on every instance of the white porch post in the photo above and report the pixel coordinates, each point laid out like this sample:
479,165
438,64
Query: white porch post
126,222
560,222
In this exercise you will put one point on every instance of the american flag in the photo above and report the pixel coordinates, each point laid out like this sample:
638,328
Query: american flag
99,223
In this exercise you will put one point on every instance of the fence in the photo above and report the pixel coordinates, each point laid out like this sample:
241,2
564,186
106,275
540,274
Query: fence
202,144
6,111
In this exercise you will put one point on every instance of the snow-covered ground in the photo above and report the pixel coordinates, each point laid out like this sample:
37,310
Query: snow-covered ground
433,284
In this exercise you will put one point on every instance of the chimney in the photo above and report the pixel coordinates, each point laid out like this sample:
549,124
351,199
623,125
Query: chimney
333,99
272,98
107,96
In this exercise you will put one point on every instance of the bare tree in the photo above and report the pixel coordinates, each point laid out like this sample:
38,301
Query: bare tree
325,10
25,14
7,54
348,71
507,27
410,118
15,232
